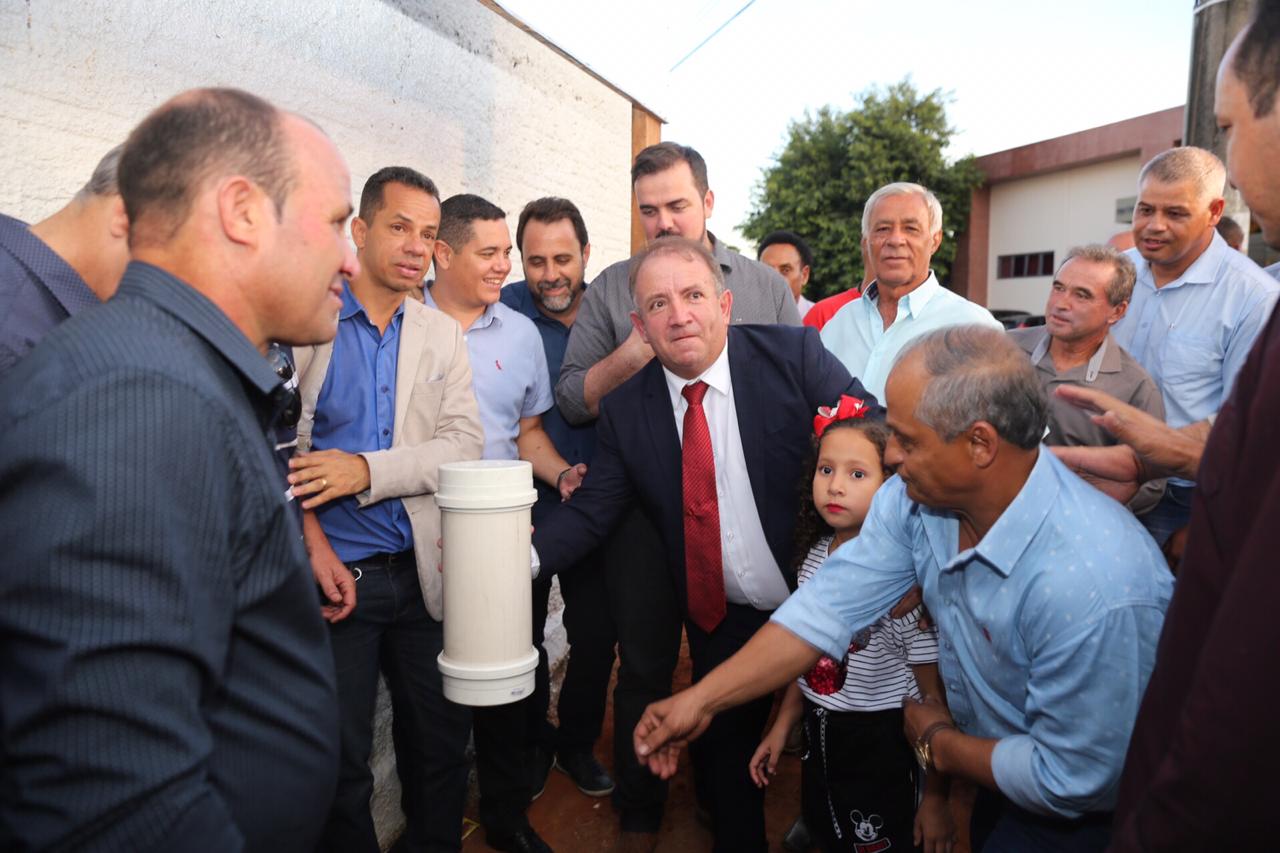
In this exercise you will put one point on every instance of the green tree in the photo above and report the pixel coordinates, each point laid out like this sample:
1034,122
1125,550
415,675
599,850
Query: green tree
834,160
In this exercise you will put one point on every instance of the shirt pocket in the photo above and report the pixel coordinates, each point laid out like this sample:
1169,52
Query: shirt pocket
1190,360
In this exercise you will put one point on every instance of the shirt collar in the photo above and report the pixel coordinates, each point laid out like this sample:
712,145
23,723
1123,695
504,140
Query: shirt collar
1106,359
1203,270
720,252
351,306
717,376
1007,540
488,318
913,303
206,319
45,264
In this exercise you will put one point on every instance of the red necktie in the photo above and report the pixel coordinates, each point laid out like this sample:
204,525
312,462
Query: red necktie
704,569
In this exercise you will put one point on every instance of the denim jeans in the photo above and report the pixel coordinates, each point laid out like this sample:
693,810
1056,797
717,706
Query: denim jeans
390,631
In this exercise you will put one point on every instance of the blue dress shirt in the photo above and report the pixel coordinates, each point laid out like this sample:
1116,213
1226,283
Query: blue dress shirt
1048,626
1193,334
508,373
38,290
356,412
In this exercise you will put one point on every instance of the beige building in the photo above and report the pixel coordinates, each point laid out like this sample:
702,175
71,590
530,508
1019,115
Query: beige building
1039,200
457,89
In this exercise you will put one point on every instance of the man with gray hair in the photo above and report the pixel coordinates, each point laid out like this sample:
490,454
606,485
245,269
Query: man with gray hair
1197,305
901,230
1049,598
71,260
1089,295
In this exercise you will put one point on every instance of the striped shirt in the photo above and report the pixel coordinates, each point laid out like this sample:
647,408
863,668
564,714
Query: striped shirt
879,671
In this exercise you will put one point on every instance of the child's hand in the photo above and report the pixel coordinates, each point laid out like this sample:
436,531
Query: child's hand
934,831
765,761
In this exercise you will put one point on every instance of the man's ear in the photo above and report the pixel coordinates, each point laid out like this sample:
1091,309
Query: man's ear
242,210
708,204
443,254
639,326
359,232
1216,208
984,444
586,256
118,222
937,241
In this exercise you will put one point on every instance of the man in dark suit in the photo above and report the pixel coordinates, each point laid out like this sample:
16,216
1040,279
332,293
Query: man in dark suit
710,438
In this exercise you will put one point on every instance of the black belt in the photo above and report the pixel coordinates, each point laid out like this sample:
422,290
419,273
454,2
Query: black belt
397,560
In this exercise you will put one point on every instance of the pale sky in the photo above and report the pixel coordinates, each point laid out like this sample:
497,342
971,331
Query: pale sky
1019,70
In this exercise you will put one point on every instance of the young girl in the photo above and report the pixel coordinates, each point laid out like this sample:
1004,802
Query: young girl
859,775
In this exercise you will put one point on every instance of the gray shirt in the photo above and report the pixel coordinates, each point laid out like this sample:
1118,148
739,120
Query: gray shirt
1111,370
760,295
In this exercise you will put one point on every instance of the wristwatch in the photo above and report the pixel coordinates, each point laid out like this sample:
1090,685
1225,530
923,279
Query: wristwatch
923,744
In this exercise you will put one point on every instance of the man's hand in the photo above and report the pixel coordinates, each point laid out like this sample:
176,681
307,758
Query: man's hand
570,480
1116,471
336,583
327,474
919,714
1162,450
666,728
907,603
933,830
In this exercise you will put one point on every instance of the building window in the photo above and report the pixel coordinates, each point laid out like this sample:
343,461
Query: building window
1024,266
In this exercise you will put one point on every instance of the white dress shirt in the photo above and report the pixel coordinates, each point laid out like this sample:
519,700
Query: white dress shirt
751,575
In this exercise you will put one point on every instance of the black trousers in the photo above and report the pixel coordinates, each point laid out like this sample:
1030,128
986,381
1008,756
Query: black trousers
642,600
999,826
390,630
506,735
858,780
721,755
592,636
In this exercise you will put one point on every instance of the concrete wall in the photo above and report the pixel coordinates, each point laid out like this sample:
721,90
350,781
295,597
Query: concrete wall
1053,213
446,86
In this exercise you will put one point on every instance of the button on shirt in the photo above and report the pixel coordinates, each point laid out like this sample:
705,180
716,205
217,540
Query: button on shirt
355,413
38,290
856,334
1193,334
751,575
1049,625
508,373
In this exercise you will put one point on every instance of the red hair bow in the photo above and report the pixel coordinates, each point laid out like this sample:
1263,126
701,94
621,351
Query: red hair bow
848,407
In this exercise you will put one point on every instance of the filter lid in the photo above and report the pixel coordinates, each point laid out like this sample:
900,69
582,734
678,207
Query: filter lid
486,484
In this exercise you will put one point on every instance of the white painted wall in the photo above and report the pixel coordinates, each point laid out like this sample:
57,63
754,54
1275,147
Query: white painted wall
1053,213
448,87
445,86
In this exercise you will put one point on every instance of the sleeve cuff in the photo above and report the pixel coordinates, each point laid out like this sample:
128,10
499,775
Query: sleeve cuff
807,618
1012,766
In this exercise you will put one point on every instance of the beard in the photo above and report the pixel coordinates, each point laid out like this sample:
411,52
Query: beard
560,303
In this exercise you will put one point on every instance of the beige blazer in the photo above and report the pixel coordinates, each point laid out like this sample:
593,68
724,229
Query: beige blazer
436,421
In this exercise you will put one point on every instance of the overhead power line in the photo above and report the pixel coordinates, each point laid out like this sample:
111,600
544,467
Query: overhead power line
750,3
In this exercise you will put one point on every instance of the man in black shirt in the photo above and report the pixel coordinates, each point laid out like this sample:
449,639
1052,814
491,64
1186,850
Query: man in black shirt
168,683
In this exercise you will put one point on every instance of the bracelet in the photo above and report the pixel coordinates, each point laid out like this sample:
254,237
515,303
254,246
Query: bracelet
560,476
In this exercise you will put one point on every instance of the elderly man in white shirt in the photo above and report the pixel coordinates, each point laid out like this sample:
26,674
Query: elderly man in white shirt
901,230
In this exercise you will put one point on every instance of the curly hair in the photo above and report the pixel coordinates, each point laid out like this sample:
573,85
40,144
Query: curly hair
810,527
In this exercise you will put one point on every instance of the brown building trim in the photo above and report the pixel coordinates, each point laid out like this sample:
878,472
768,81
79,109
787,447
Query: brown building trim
646,130
1145,136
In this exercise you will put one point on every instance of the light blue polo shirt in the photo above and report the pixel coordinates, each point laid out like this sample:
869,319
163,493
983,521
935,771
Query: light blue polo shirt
508,374
856,334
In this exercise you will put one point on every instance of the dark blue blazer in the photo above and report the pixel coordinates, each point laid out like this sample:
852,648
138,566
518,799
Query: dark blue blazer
780,375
